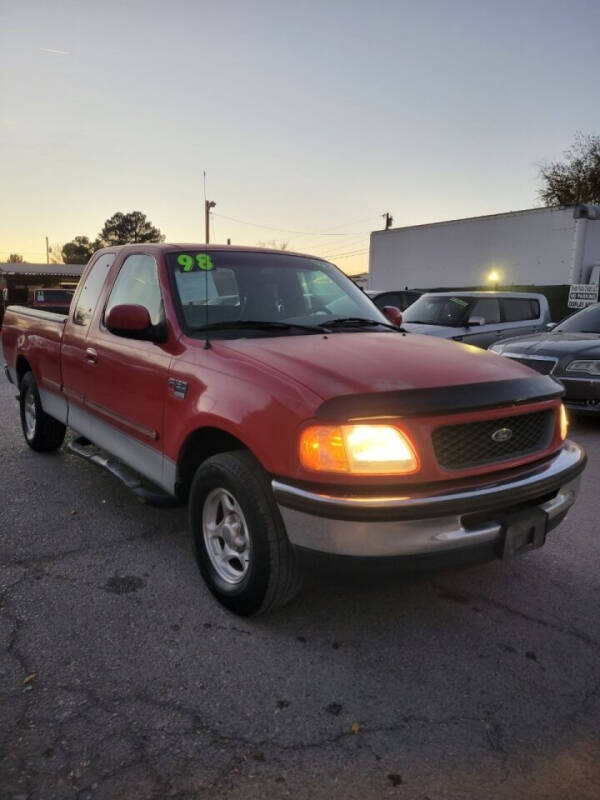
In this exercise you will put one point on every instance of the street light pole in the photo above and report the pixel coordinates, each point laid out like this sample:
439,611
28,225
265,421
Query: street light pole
208,204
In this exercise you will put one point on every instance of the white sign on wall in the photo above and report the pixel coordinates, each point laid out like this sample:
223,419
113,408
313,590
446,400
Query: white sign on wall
582,295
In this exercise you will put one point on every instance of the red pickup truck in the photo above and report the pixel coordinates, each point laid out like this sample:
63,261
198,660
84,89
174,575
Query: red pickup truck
269,392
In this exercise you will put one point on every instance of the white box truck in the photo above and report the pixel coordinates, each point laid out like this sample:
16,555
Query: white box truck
547,249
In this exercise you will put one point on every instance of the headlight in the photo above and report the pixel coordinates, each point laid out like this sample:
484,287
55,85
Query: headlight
358,449
563,422
591,367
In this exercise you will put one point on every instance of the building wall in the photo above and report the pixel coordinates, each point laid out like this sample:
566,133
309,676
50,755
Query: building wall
532,247
591,252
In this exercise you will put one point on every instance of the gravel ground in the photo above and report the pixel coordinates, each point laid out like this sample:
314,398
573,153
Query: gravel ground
120,677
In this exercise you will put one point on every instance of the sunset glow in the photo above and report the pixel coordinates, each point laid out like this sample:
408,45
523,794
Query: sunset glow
311,122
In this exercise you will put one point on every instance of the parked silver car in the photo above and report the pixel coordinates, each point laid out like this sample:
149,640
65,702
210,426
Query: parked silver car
478,318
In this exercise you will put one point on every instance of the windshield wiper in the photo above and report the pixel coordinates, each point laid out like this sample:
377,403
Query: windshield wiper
356,322
257,325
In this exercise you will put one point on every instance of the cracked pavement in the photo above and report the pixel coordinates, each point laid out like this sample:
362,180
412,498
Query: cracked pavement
120,677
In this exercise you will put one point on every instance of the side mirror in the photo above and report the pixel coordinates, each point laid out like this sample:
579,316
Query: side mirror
476,321
550,325
134,321
128,319
394,314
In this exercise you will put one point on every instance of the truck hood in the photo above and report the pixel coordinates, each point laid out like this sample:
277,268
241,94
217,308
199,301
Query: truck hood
358,363
441,331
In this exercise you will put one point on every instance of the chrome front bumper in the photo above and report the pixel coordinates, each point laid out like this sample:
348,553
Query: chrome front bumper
416,525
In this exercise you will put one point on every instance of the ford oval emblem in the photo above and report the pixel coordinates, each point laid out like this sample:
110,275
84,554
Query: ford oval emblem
502,435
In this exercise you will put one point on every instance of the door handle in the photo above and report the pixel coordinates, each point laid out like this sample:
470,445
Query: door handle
91,355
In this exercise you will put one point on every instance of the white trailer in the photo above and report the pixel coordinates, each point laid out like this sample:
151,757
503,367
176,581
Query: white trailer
536,247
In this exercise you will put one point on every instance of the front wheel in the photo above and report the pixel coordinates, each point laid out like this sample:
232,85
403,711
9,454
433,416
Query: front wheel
42,432
239,538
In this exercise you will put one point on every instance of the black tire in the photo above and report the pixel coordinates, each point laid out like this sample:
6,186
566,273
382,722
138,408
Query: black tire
271,577
41,431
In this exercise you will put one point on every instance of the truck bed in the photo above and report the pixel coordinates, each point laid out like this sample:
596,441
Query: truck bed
38,335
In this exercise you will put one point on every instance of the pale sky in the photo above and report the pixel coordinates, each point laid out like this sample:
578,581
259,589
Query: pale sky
314,117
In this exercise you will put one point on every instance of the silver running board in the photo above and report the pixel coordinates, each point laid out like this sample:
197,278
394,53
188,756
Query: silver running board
86,449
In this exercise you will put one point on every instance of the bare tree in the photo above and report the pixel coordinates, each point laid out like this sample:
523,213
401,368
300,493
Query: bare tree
15,258
56,253
576,179
274,245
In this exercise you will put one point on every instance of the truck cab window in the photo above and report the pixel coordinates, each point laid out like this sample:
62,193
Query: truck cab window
92,288
137,284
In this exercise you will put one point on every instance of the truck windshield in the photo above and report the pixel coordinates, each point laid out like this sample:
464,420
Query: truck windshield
227,288
585,321
438,310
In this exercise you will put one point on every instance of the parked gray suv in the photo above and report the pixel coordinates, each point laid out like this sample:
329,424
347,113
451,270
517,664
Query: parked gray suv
478,318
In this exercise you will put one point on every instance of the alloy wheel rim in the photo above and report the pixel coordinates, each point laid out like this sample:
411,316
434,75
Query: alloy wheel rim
30,414
226,536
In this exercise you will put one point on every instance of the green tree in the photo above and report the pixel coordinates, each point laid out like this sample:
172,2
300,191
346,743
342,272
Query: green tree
576,179
129,228
78,251
15,258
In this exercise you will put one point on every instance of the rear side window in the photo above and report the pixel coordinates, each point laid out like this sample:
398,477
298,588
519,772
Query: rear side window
137,284
388,299
488,308
57,296
91,289
516,310
61,297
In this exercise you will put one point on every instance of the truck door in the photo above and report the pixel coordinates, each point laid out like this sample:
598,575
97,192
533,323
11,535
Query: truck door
73,345
127,378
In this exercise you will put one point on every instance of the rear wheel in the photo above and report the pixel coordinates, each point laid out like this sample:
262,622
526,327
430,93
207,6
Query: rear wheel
42,432
240,542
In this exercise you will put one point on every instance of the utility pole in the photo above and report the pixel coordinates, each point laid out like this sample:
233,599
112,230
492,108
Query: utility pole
208,204
388,220
47,252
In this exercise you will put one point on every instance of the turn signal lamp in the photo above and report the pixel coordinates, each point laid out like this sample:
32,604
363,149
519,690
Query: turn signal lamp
563,422
358,449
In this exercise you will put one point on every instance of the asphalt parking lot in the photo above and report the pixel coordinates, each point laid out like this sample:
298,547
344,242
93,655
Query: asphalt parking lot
120,677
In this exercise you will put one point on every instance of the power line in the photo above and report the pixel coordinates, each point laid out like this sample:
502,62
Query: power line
343,246
299,233
349,255
327,246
